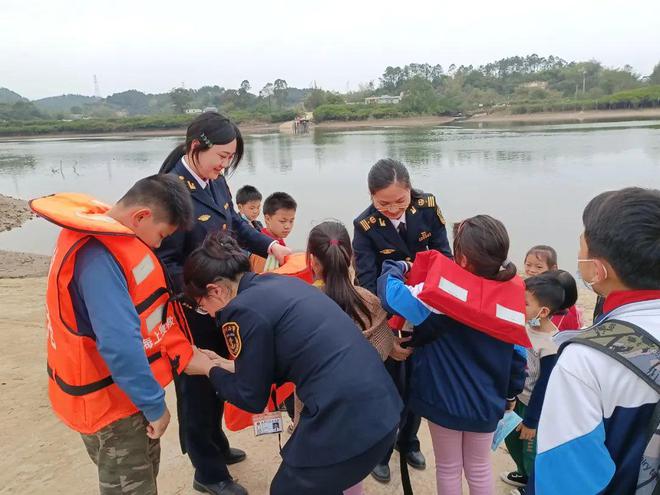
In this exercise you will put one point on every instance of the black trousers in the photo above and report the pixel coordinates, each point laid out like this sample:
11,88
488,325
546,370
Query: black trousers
406,440
329,480
201,408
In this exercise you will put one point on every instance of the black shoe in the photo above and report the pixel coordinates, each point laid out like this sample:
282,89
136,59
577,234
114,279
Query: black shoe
381,473
415,459
233,456
514,478
227,487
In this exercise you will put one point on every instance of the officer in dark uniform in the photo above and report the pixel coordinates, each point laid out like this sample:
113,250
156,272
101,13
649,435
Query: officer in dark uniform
280,329
200,420
375,239
400,222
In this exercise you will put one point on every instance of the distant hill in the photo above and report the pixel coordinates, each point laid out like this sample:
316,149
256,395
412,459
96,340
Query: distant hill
63,103
9,97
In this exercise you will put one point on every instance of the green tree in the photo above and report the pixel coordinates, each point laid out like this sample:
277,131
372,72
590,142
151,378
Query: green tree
315,99
76,110
180,98
419,96
280,91
266,93
654,78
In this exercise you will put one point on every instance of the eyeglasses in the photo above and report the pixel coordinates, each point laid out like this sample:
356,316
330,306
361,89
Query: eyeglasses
198,307
393,207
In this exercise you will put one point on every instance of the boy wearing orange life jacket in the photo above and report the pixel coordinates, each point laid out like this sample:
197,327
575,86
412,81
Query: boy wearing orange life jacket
115,338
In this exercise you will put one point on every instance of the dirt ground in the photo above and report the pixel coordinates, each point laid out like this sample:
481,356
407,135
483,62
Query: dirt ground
43,456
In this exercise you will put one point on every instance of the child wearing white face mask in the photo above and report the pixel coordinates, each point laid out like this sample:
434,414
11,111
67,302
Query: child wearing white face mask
545,295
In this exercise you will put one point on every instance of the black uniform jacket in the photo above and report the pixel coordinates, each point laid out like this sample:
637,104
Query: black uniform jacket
376,240
214,211
282,329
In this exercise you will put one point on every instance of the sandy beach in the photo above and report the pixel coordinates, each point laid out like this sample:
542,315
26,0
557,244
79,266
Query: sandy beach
47,457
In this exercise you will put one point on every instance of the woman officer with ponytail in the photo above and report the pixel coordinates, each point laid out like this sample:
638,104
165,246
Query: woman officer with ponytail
213,147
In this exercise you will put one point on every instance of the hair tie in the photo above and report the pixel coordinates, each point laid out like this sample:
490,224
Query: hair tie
205,140
334,242
506,263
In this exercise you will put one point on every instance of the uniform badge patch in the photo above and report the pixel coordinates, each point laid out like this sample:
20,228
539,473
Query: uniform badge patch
440,217
232,335
425,235
203,218
386,251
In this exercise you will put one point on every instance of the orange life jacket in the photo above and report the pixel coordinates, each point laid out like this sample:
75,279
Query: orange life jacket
237,419
81,389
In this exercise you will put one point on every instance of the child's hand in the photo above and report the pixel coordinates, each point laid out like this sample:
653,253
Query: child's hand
280,252
526,433
399,353
510,405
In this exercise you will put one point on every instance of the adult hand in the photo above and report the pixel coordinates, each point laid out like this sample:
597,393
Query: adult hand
280,252
200,363
155,429
399,353
526,433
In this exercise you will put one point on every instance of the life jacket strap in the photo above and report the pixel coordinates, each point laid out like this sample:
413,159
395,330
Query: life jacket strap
90,388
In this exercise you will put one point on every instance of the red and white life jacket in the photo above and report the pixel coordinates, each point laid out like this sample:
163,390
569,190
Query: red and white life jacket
492,307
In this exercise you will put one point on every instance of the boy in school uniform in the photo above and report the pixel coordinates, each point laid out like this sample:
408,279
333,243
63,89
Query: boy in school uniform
598,431
248,202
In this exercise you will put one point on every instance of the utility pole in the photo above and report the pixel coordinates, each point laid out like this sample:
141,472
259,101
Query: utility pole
97,91
584,82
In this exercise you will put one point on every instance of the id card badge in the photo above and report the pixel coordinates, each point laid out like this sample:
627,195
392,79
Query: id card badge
267,423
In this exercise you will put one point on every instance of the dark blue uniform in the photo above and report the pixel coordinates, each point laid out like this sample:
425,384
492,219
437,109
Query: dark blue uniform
375,240
201,408
284,330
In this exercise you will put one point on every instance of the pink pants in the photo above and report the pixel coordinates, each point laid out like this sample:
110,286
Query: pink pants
458,451
355,490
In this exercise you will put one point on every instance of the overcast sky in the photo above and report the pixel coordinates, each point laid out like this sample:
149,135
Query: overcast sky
53,47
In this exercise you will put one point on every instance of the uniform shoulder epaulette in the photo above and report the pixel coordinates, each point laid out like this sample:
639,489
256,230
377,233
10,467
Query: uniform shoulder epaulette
366,220
425,200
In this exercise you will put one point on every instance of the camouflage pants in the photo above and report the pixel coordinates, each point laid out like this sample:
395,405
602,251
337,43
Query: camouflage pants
126,458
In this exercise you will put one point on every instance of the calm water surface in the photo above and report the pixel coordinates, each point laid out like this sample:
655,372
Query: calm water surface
535,179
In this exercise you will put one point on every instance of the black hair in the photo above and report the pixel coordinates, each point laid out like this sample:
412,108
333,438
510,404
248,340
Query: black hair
207,129
246,194
555,289
623,228
279,201
484,242
166,195
330,243
219,257
545,253
386,172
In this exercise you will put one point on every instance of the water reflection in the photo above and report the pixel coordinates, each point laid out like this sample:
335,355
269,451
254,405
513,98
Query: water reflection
535,179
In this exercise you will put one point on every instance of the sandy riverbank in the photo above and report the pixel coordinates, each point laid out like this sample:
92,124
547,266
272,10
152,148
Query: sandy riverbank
567,117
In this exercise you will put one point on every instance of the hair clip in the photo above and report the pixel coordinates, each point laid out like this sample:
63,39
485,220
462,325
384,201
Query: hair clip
506,263
205,140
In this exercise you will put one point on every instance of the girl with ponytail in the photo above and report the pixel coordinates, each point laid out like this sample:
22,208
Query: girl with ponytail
462,380
212,150
330,257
